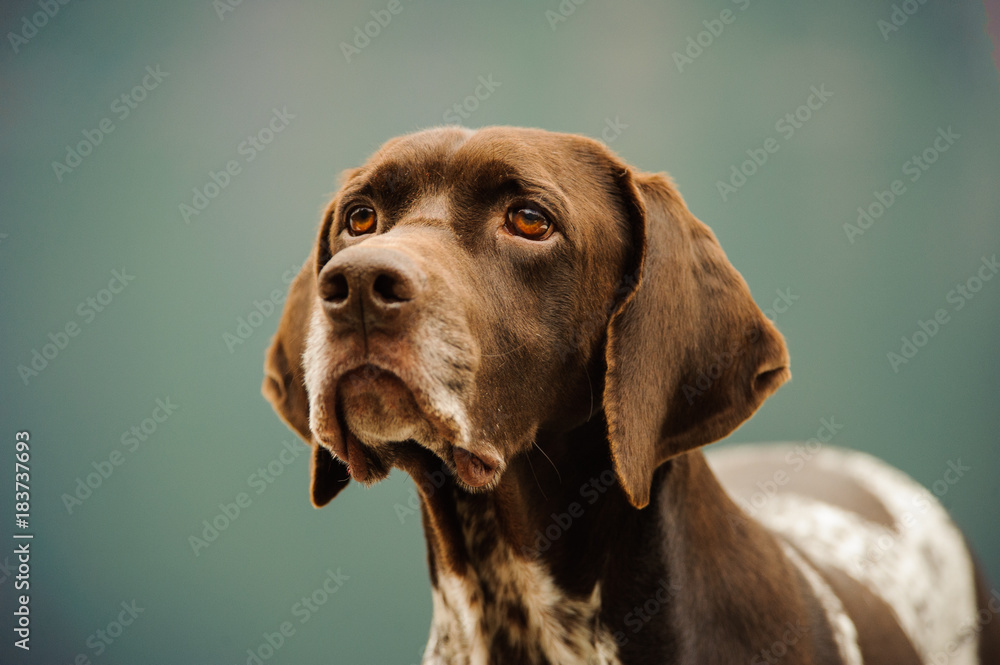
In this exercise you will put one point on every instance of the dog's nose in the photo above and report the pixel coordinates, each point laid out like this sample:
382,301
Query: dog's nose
371,288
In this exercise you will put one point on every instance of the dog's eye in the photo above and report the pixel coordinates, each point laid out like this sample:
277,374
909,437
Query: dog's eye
361,220
528,223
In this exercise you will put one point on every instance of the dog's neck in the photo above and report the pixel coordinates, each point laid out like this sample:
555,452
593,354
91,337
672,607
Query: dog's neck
555,566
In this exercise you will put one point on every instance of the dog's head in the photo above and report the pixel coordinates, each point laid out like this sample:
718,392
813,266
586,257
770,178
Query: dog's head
470,289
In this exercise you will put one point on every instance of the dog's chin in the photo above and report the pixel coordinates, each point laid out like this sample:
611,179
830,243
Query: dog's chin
378,407
374,419
366,464
365,419
475,472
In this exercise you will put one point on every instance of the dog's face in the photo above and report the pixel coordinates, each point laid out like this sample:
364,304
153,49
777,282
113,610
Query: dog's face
469,289
463,287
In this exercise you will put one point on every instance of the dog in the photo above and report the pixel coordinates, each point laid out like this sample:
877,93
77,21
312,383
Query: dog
544,338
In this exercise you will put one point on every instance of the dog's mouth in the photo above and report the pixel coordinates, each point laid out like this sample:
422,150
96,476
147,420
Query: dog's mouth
476,470
377,406
370,408
376,412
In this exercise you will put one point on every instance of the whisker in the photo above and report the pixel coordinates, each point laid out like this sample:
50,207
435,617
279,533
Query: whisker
532,467
559,475
505,353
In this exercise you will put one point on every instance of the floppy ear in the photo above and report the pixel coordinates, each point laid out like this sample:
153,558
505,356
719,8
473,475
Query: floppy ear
690,356
284,384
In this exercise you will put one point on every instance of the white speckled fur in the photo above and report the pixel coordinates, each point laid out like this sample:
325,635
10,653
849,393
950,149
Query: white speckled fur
318,359
845,633
920,568
560,628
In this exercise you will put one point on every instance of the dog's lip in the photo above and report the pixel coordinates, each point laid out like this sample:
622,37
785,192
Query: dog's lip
367,368
475,469
357,462
342,441
348,449
334,433
344,444
445,427
366,364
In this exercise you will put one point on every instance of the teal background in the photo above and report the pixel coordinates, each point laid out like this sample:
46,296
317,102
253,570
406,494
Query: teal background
163,335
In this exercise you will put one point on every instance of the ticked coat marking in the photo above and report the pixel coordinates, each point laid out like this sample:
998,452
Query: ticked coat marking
478,299
919,565
526,613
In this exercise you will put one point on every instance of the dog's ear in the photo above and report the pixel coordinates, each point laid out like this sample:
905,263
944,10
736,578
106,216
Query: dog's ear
284,385
690,356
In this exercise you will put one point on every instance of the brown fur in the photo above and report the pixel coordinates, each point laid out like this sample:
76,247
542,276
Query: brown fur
543,382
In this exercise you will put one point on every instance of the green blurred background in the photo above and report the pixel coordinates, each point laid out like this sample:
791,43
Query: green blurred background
608,64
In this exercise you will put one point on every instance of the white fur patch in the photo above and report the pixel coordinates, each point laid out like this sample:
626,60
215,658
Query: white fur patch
845,633
455,637
316,360
446,407
556,627
461,629
920,567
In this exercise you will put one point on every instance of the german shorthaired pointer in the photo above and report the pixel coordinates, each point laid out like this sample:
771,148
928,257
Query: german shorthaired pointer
543,338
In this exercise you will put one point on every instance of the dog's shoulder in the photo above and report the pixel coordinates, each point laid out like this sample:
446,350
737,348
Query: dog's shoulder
857,526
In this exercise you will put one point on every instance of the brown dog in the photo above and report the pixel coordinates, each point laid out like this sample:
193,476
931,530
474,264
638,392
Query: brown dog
543,338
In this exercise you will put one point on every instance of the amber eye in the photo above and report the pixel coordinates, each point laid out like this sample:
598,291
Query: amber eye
361,220
528,223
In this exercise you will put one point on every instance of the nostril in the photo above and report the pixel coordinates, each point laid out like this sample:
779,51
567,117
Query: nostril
391,289
335,289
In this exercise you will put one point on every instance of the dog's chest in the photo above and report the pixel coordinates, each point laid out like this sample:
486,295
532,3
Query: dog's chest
506,609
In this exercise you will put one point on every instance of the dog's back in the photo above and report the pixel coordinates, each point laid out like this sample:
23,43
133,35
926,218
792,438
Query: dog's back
868,539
